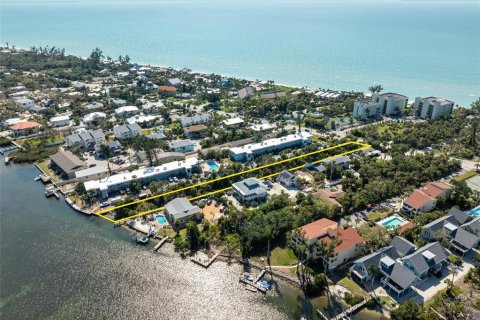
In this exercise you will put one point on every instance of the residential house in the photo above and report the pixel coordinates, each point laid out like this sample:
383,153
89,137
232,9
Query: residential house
425,199
152,107
273,95
126,111
473,226
250,190
87,140
93,117
287,179
330,196
179,211
185,146
25,103
175,82
94,106
246,92
65,163
157,135
429,258
93,173
233,123
196,119
60,121
167,89
164,157
195,131
126,131
433,108
119,102
340,161
24,128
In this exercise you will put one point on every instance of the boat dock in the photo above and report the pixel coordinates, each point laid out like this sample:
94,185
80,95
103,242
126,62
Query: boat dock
160,244
347,313
139,237
204,262
7,149
51,191
252,283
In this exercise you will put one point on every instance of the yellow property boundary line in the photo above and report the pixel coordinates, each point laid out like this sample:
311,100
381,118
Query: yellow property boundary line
101,213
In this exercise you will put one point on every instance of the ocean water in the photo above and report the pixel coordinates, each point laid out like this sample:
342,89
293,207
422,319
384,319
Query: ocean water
417,48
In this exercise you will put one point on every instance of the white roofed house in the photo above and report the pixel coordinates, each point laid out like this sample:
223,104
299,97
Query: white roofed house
186,145
233,123
250,190
25,103
119,102
94,106
152,107
93,117
126,111
126,131
179,211
174,82
60,121
196,119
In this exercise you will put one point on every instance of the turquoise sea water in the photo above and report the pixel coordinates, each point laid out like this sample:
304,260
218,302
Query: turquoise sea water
411,47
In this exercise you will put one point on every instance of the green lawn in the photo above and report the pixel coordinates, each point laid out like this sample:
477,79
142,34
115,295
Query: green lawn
465,176
375,216
282,257
44,166
352,286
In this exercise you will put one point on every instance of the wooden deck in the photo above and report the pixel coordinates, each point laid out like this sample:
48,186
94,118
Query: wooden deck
160,244
347,313
203,263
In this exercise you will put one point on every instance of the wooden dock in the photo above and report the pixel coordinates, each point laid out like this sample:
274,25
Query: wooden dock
254,283
160,244
206,263
347,313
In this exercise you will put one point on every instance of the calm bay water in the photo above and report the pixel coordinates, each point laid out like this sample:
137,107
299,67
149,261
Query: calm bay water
58,264
417,48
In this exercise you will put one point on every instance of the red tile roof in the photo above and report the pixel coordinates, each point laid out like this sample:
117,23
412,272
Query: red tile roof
434,189
417,199
349,237
25,125
167,88
406,226
318,228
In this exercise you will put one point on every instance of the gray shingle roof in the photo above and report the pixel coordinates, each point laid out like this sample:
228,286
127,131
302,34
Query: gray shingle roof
465,238
459,215
400,274
374,258
402,245
473,226
67,161
181,207
181,143
250,186
438,223
420,263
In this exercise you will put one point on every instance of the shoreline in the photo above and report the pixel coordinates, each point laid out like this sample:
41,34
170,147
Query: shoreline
253,79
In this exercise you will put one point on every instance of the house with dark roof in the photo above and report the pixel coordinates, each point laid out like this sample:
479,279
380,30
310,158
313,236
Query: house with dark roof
179,211
246,92
87,140
65,163
429,258
126,131
195,131
249,190
287,179
473,226
462,239
396,277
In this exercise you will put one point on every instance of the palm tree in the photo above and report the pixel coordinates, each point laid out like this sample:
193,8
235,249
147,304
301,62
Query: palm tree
107,154
375,88
374,271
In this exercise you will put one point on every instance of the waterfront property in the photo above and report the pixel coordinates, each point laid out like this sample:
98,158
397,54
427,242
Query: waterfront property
65,163
179,211
323,232
429,258
249,151
384,104
250,190
433,108
97,172
117,182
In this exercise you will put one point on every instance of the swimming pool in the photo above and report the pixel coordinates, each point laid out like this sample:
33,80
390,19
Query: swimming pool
213,165
161,219
475,212
392,222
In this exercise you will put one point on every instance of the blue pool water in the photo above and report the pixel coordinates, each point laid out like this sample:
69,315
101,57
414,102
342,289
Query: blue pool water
475,212
213,165
393,223
161,219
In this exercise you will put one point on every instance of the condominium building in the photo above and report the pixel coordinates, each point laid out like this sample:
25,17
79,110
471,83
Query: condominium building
433,108
249,151
121,181
86,140
127,131
364,109
391,103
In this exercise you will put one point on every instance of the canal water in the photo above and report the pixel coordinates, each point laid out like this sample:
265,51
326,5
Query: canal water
58,264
